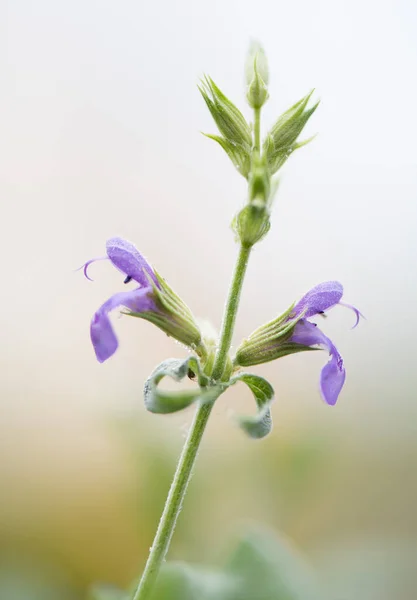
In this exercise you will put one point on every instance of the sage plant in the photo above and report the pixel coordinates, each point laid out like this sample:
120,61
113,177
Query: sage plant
209,364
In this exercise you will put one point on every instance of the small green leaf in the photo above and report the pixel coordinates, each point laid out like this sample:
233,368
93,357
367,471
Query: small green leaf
106,592
179,581
261,424
270,569
168,402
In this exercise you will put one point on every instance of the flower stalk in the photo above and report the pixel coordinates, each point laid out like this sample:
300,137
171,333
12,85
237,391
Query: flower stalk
190,450
174,502
210,365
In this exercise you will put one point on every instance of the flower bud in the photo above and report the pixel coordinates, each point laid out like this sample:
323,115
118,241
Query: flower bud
281,140
228,118
257,77
256,54
252,223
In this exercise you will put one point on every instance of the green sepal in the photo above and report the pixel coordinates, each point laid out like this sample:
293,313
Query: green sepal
228,118
280,142
172,316
239,155
279,326
271,341
265,354
164,402
259,425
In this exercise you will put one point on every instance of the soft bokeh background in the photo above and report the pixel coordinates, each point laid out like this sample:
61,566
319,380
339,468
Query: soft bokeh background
100,120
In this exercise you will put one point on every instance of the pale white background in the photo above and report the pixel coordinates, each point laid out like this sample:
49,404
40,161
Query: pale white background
100,122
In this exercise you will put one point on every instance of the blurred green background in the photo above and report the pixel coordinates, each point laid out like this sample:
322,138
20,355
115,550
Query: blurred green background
100,121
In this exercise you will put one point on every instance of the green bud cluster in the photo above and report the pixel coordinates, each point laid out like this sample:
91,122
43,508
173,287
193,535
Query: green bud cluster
241,142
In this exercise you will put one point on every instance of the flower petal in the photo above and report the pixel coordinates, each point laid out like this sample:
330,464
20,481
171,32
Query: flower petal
127,258
333,374
332,379
101,330
320,298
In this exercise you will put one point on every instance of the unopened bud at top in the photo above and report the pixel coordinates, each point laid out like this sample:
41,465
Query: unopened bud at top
256,55
257,76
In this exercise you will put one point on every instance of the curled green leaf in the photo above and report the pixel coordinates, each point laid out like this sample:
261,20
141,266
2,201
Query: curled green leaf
259,425
164,402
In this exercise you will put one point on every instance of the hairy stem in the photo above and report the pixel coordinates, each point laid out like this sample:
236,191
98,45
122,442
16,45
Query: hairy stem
231,311
190,450
257,130
173,503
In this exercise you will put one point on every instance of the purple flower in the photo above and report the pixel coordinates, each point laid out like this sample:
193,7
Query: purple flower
293,332
152,300
128,260
319,299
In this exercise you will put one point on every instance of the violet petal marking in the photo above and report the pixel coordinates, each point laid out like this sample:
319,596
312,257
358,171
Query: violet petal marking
125,257
101,330
333,374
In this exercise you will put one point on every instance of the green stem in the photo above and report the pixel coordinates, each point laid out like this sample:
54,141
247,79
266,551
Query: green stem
190,450
174,502
257,130
231,311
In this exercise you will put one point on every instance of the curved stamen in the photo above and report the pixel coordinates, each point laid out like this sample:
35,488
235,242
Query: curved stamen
85,266
355,310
